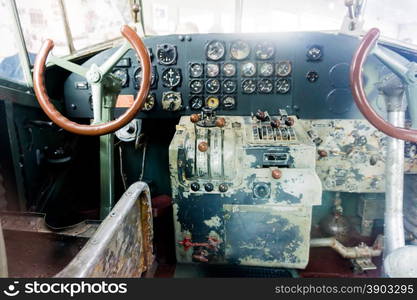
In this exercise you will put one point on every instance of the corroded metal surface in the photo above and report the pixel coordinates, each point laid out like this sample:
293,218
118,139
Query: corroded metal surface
228,206
356,151
122,245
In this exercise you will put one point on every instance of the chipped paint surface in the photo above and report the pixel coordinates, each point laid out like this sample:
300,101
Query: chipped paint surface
259,220
122,245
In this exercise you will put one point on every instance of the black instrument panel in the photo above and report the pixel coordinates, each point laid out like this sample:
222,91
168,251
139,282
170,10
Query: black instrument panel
304,73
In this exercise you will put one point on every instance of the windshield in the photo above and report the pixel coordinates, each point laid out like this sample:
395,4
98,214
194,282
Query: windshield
396,19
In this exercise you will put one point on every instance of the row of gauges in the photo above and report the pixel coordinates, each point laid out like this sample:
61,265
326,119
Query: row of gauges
249,86
239,50
247,69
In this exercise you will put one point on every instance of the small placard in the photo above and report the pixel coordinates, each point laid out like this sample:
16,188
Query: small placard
125,101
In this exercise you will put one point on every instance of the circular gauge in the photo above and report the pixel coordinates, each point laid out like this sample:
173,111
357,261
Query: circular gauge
265,86
137,77
248,69
122,75
196,70
229,86
212,102
266,69
166,54
196,102
229,69
283,85
171,101
196,86
213,70
212,86
171,77
249,86
229,102
264,50
314,53
312,76
239,50
215,50
283,68
149,102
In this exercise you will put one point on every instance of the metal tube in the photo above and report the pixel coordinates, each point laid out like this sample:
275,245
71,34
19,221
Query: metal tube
3,256
394,184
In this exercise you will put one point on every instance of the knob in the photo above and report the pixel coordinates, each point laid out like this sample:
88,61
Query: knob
203,146
322,153
289,121
276,174
261,115
208,187
220,122
195,186
195,118
223,187
275,123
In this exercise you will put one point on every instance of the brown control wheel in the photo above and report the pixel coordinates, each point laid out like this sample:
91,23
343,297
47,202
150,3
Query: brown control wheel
94,129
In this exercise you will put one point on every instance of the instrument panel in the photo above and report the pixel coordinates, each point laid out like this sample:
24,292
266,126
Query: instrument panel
307,74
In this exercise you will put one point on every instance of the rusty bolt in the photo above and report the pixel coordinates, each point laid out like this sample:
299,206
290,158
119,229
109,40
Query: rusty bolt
203,146
289,121
276,174
220,122
195,118
322,153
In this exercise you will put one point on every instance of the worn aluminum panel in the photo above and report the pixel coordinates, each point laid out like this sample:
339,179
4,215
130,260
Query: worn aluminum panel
122,245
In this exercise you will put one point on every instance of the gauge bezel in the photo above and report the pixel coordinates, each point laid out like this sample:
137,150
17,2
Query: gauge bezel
234,66
150,95
224,50
196,63
263,80
208,89
169,85
192,91
195,97
247,80
266,63
212,97
248,63
125,82
154,78
288,73
310,58
229,108
316,76
207,70
233,56
162,47
262,44
280,80
225,90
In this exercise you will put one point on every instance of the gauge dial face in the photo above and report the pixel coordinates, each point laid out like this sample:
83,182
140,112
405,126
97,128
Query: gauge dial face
239,50
215,50
196,70
171,77
283,85
122,75
265,86
229,69
283,68
249,86
264,50
196,102
212,102
229,86
229,102
212,86
171,101
213,70
312,76
314,53
149,102
196,86
266,69
137,77
166,54
248,69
